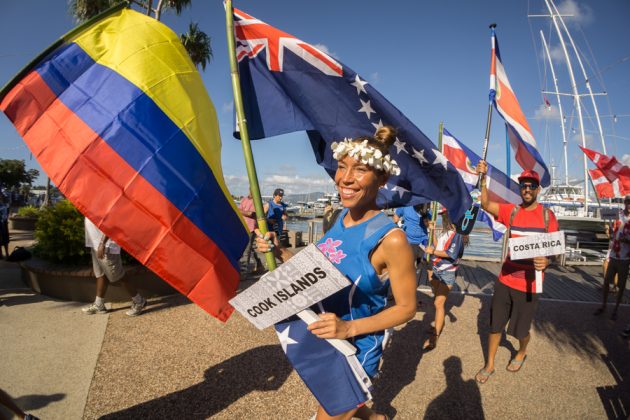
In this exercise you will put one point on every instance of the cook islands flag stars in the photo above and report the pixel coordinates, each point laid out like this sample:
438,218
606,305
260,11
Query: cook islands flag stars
284,338
298,95
440,159
419,155
359,84
323,368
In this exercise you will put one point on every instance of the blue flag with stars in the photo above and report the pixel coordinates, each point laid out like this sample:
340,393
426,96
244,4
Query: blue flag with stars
289,85
337,380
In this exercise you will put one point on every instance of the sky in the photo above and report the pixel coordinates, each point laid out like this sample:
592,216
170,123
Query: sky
429,58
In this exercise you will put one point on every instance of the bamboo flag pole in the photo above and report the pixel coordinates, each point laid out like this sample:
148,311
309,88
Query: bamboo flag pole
242,126
435,203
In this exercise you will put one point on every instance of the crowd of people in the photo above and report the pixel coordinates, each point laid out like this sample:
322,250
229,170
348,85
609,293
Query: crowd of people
379,254
381,258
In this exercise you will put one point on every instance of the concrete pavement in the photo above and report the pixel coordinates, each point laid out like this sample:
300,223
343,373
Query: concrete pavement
48,347
175,361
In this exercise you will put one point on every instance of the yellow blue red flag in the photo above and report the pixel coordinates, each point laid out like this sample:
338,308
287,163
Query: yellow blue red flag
118,117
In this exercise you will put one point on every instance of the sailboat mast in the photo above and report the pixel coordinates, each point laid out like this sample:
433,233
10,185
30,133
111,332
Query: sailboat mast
564,134
576,97
586,79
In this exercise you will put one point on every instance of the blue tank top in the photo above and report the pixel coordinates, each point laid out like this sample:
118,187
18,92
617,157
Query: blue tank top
274,214
349,249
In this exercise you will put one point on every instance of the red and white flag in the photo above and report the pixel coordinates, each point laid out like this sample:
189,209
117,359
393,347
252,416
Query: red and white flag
611,169
604,188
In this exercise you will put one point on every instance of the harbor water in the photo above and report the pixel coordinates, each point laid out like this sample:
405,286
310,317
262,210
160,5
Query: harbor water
481,242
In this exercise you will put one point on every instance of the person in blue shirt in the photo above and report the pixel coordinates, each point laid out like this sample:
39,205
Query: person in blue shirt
370,251
276,212
415,222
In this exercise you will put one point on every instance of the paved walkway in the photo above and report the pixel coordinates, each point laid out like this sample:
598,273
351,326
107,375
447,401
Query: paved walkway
175,361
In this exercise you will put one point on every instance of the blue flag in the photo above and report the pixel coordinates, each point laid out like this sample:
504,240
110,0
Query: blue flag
336,379
289,85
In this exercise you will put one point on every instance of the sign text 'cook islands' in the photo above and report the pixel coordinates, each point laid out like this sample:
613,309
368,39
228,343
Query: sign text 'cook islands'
307,278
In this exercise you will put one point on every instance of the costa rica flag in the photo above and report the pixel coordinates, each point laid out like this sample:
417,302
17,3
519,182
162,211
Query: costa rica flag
520,135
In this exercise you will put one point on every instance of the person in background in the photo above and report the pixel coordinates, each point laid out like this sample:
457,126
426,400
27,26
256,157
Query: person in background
515,297
619,259
248,211
370,251
4,225
415,220
608,228
276,212
108,268
330,216
445,254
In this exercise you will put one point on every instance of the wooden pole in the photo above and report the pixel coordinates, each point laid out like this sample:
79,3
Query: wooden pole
242,126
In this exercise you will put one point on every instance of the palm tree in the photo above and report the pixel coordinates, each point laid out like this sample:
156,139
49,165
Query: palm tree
178,5
83,10
197,43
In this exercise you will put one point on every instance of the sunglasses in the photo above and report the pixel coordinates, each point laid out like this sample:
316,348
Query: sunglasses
528,185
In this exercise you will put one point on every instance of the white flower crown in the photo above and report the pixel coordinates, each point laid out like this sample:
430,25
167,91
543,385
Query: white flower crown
365,154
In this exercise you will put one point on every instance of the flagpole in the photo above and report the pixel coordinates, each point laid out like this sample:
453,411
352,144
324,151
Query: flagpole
466,224
435,203
486,140
242,126
508,160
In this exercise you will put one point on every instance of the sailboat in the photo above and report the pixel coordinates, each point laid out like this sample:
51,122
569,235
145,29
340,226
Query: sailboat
583,221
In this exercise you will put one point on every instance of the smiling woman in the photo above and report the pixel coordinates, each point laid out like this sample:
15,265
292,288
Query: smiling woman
370,251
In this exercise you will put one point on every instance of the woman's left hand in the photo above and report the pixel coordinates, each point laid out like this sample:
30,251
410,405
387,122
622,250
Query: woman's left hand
330,326
429,250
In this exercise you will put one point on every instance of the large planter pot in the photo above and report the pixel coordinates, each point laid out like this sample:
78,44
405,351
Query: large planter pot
77,283
22,223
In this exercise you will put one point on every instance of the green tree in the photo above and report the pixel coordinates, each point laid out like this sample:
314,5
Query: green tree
15,176
60,235
197,43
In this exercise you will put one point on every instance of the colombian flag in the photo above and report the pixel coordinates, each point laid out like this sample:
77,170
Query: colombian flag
117,115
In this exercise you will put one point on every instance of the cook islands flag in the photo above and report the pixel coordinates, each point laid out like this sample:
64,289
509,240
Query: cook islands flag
289,85
117,115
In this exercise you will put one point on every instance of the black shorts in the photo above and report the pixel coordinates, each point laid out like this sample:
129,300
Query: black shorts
514,306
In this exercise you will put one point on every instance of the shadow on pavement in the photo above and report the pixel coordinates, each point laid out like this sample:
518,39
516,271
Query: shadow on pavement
460,399
20,298
155,304
586,335
400,361
224,384
37,401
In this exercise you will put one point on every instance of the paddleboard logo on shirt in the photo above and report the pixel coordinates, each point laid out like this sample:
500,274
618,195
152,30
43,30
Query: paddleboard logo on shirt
329,249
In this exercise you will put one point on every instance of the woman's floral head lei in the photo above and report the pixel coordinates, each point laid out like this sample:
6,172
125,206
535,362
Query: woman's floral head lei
368,155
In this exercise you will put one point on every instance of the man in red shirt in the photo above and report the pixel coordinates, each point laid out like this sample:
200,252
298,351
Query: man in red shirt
515,296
